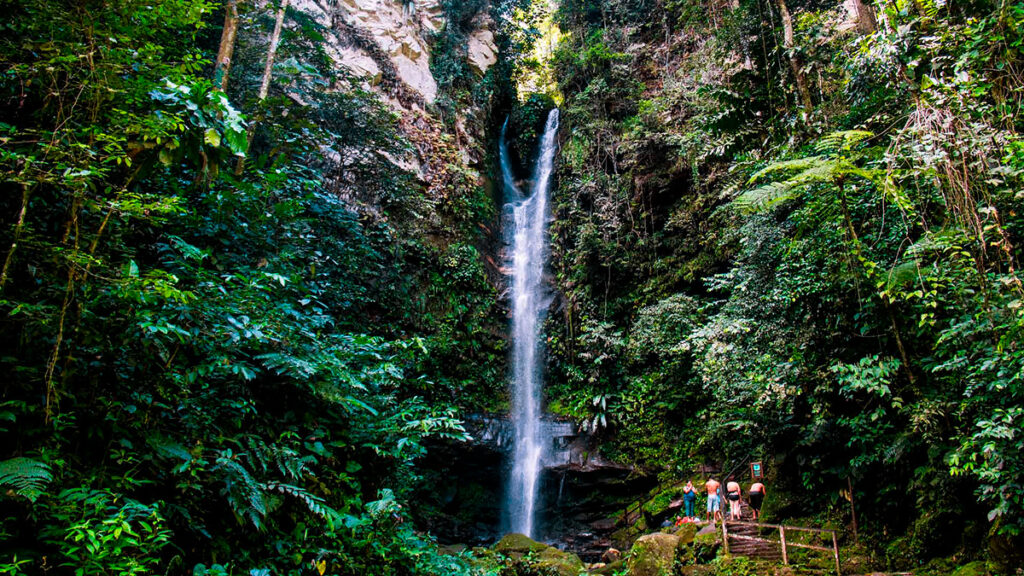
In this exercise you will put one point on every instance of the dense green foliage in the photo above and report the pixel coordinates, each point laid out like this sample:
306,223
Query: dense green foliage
212,367
835,287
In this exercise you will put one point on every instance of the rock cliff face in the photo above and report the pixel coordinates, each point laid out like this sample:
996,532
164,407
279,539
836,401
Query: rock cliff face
388,43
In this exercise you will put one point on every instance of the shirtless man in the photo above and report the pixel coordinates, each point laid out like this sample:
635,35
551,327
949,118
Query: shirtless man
714,504
732,490
756,498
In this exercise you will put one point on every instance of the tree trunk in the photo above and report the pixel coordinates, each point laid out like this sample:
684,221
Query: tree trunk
865,15
18,227
275,38
794,60
227,44
268,70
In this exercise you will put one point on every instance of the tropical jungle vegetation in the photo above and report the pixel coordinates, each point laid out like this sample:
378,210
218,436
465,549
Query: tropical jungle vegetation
232,325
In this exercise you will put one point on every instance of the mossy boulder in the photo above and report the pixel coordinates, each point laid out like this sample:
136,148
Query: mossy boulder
653,555
973,569
686,533
517,545
705,547
553,561
531,557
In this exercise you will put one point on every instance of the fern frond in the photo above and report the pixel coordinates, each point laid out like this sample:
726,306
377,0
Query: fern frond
25,477
801,172
286,460
930,8
809,171
242,491
841,141
788,167
315,504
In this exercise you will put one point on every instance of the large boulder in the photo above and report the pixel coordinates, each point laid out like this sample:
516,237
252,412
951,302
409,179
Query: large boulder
483,53
653,555
705,546
517,545
533,556
686,533
551,560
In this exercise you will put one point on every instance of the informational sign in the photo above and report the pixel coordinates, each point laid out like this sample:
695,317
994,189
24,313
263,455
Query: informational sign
756,471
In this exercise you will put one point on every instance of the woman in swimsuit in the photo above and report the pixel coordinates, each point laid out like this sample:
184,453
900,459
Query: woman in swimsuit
733,493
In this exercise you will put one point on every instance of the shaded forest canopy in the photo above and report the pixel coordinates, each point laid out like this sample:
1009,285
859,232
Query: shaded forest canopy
243,289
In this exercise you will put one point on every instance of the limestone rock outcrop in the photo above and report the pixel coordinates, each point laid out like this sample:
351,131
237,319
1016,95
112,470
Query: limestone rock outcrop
388,42
482,51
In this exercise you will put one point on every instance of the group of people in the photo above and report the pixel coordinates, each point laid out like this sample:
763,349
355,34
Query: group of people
733,494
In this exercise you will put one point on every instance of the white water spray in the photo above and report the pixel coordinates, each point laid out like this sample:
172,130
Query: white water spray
530,300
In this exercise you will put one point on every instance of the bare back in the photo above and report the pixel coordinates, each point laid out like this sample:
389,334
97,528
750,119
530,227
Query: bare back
712,486
733,487
757,487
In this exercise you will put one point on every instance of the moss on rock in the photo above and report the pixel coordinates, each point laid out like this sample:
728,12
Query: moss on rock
531,557
553,561
705,547
686,533
653,555
978,568
518,544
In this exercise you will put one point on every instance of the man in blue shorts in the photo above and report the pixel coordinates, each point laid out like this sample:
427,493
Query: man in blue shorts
714,501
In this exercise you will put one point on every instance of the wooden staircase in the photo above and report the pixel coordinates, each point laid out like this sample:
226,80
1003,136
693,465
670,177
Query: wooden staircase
769,541
741,542
740,545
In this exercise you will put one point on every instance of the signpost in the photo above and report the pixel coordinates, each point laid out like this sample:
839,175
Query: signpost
756,471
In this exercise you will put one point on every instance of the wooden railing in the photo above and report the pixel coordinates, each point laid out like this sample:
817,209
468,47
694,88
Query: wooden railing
834,549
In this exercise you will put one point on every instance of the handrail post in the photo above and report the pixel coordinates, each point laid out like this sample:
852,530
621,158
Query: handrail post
725,536
835,549
782,538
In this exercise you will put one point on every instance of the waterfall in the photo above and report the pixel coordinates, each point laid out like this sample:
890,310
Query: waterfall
530,300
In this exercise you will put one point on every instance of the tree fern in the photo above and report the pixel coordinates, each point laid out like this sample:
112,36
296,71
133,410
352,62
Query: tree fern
25,477
835,163
842,141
